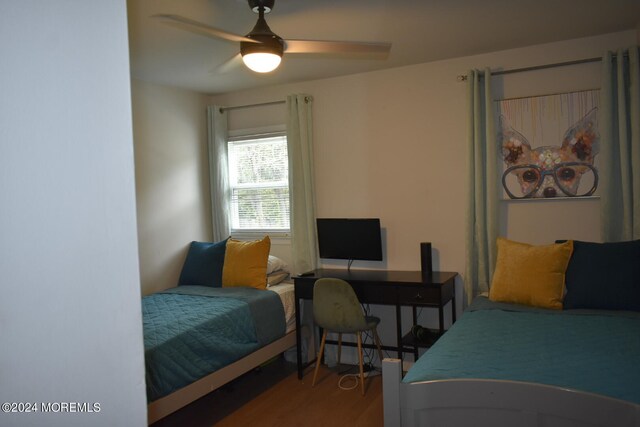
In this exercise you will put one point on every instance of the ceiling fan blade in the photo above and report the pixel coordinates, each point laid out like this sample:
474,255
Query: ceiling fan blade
200,28
231,64
364,49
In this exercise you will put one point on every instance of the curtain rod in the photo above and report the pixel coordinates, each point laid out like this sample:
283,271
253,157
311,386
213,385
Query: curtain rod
238,107
463,77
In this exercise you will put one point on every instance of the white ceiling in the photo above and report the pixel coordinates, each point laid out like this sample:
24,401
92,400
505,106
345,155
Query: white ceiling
419,30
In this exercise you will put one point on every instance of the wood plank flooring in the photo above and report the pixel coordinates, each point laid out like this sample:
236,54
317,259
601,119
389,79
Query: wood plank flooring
273,396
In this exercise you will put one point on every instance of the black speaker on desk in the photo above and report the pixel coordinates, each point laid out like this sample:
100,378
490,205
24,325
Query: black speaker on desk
425,261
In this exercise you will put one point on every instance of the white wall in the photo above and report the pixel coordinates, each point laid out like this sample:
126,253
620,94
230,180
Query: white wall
172,181
70,308
392,144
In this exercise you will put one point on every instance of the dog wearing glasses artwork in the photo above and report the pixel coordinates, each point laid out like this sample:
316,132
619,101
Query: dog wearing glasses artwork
564,170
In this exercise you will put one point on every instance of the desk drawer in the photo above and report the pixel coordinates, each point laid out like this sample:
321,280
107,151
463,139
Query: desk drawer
418,295
372,294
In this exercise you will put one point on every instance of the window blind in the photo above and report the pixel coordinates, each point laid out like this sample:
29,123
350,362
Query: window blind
259,181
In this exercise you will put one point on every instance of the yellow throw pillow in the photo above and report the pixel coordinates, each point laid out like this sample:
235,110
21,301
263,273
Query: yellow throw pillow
530,275
245,263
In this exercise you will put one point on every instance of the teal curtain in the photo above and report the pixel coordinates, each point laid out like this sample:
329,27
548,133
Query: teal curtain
302,202
620,146
218,172
482,181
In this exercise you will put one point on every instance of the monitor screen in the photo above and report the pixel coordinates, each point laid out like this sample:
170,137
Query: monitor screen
350,238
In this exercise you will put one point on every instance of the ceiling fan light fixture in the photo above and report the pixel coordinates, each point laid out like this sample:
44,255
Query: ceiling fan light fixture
265,52
263,55
261,62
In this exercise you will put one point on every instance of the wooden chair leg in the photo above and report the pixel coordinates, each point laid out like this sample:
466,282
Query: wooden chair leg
378,343
339,346
319,359
360,361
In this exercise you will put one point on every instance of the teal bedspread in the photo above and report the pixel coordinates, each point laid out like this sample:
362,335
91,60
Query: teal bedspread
192,331
587,350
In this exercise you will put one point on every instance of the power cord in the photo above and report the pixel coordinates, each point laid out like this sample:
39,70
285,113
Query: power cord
356,381
371,371
369,352
367,356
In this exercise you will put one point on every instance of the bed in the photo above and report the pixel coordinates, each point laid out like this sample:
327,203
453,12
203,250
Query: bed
505,363
198,338
230,312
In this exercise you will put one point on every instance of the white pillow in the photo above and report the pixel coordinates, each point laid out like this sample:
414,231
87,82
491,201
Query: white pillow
276,264
276,277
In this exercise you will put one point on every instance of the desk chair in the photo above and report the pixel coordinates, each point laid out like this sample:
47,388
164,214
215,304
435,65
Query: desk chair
336,309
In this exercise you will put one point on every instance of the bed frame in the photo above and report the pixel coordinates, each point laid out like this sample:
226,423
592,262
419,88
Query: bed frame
166,405
496,403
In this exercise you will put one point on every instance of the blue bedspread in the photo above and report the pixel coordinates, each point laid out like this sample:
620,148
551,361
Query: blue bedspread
191,331
588,350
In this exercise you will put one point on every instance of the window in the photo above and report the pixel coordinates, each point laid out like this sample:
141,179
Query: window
259,181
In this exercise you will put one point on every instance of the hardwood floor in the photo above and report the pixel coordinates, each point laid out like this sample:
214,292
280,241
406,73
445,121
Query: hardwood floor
273,396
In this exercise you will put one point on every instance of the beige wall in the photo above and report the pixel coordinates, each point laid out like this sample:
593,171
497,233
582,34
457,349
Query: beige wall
171,179
392,144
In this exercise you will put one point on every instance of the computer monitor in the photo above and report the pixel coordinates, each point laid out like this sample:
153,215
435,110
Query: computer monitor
350,238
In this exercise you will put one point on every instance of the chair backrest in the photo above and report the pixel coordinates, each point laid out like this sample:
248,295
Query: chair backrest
336,306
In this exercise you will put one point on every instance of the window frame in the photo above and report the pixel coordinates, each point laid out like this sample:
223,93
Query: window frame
255,133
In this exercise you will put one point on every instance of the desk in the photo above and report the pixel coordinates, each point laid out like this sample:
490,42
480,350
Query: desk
397,288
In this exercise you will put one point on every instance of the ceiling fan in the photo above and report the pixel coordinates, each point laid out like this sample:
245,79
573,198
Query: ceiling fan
262,49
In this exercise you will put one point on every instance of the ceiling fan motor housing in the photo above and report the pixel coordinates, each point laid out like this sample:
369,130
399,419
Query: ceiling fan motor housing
268,41
267,44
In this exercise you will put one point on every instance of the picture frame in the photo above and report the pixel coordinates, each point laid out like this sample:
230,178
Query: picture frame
548,145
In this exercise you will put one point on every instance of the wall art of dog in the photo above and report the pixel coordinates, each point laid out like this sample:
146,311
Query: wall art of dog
565,170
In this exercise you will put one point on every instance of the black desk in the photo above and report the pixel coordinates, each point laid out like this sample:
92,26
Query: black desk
397,288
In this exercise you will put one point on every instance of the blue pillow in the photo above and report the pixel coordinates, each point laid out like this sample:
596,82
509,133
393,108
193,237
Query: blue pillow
203,265
604,276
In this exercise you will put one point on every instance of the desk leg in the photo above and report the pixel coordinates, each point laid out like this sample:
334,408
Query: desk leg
415,322
399,330
441,317
453,310
298,340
